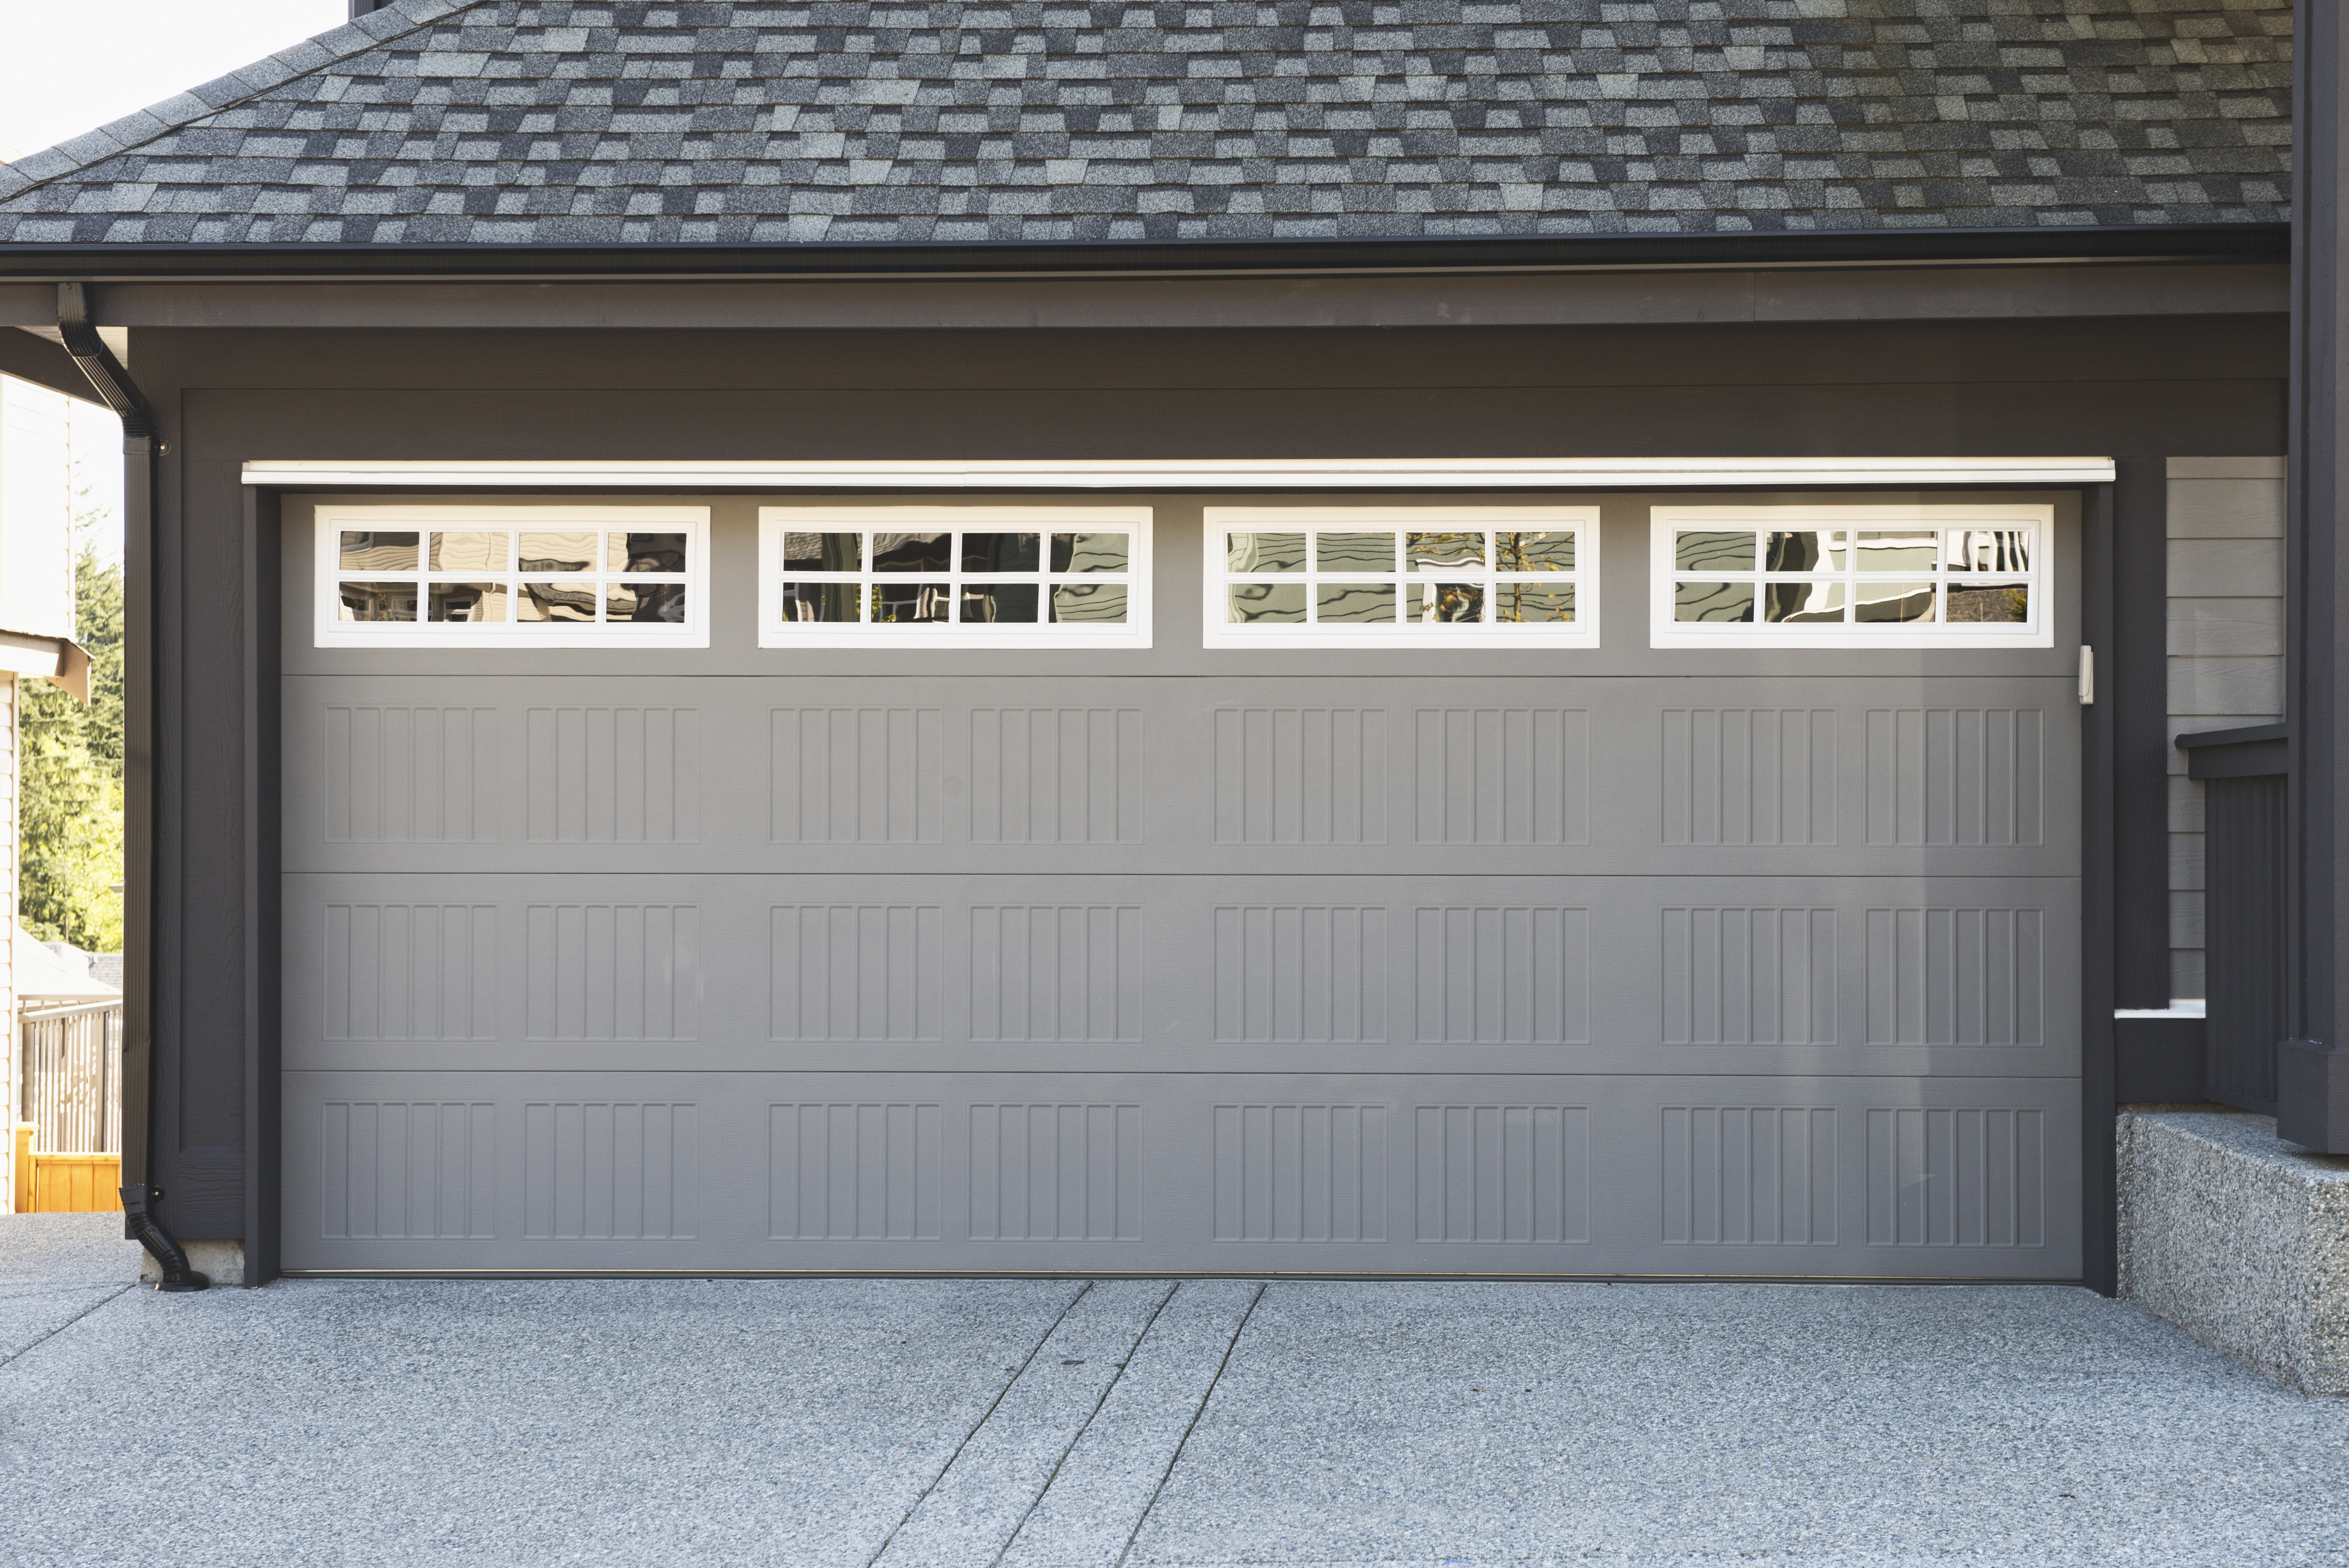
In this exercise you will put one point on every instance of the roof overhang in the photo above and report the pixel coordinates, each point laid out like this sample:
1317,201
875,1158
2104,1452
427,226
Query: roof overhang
2022,247
1235,474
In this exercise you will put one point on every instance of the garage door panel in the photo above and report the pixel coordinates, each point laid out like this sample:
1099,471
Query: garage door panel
1587,1174
547,774
1661,976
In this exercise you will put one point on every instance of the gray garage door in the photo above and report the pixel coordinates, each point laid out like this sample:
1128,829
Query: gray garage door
1701,964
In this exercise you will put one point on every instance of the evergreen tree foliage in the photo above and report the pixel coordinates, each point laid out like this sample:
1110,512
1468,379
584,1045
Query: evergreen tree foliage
69,780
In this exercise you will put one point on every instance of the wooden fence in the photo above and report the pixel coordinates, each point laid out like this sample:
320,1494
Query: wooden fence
73,1079
64,1183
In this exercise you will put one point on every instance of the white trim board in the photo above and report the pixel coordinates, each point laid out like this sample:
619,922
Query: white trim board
1185,473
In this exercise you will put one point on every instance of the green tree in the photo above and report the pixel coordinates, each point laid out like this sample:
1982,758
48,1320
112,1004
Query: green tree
69,780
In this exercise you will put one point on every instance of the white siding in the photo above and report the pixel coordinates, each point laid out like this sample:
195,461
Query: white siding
35,511
2226,648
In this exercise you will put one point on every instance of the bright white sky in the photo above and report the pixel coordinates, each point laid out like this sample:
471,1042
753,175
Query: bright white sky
70,66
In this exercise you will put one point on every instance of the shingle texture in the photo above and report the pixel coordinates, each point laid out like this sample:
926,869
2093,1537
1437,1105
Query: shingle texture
543,121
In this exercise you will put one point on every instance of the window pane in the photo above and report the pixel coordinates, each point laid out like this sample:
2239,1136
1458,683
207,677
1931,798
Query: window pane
910,553
2004,550
1805,550
1713,601
647,552
1100,603
551,552
1893,602
1807,602
1267,553
823,551
378,552
1373,603
999,601
1518,602
477,602
2007,602
1440,552
1547,552
911,603
548,602
470,552
1000,553
1090,553
1713,551
1895,550
378,601
646,602
822,601
1265,603
1447,602
1354,552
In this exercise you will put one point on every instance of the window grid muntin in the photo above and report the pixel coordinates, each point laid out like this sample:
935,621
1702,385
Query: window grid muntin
1403,573
2034,521
1130,523
1852,577
509,523
514,577
872,579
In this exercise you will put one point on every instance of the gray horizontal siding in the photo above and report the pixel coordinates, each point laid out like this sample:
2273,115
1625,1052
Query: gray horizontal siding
2226,649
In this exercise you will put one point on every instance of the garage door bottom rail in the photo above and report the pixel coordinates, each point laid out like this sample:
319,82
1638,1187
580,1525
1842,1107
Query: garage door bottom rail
673,1173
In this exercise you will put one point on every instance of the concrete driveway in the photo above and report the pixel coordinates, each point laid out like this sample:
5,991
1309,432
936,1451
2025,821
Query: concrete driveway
1035,1422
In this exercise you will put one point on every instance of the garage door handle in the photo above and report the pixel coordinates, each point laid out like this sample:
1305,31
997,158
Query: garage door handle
2087,675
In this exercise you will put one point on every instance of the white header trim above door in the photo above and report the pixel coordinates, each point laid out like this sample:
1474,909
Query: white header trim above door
1188,473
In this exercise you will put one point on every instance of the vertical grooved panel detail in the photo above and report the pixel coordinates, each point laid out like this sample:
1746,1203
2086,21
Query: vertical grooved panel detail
1965,1178
1055,1173
1300,776
1502,1173
1503,775
1056,775
1301,1173
854,972
1749,776
614,776
411,971
1306,975
1503,976
599,1171
1956,777
614,971
412,776
854,776
1056,971
1749,977
1749,1176
398,1171
854,1172
1956,976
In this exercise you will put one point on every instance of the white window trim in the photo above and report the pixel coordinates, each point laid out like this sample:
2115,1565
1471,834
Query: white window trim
1582,632
403,517
1192,473
1663,631
775,521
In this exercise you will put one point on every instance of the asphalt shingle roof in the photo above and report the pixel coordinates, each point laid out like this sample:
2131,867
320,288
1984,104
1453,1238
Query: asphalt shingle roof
746,121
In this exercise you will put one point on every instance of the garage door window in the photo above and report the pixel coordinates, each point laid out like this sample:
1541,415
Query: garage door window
1827,576
1402,577
954,576
558,577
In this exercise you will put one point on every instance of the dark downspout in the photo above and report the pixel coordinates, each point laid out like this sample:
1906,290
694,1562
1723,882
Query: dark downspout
140,448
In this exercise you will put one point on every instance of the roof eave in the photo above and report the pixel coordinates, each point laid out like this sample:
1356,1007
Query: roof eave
2148,243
